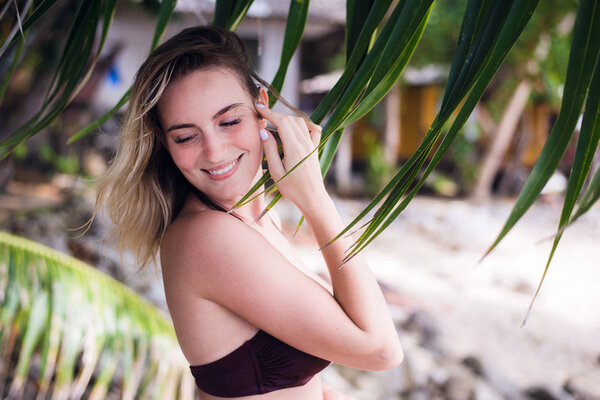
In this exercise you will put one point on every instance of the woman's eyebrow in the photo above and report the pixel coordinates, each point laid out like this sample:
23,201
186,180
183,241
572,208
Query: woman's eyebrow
225,109
180,126
217,115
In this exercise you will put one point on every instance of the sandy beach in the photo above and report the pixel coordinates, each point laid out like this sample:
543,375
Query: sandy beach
474,310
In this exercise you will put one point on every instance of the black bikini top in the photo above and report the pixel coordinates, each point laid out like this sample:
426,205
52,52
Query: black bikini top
262,364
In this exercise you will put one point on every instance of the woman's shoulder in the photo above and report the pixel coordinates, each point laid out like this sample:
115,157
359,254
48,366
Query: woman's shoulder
195,228
203,235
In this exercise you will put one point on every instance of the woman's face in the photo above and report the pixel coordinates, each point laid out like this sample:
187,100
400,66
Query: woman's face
211,132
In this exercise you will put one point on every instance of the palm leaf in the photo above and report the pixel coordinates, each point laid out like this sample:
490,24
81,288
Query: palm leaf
164,15
40,10
374,17
230,13
589,198
98,322
294,30
399,29
16,58
583,57
67,79
485,35
584,154
516,20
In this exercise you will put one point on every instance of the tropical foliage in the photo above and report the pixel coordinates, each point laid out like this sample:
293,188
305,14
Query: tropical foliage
70,331
381,36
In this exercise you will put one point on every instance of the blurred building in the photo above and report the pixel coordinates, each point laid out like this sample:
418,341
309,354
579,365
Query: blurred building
262,29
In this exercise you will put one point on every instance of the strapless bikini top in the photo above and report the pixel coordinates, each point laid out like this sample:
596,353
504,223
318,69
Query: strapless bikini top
262,364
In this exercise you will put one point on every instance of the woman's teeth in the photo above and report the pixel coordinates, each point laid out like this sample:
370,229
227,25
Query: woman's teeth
224,170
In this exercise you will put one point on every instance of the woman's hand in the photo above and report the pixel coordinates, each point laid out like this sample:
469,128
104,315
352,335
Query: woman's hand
304,185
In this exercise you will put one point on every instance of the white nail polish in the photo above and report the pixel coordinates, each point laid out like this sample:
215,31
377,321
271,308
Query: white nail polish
264,135
258,105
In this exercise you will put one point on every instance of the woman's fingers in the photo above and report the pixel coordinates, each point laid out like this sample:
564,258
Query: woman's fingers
315,137
298,136
290,128
285,129
271,151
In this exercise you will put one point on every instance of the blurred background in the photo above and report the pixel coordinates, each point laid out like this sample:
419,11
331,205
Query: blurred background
459,319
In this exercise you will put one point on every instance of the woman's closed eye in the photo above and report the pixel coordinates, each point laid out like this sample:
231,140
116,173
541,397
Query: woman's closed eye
227,123
183,139
231,122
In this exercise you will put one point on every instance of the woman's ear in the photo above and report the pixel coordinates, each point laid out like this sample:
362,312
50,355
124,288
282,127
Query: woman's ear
263,96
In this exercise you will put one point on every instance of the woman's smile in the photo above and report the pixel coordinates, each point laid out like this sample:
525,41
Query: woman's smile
223,172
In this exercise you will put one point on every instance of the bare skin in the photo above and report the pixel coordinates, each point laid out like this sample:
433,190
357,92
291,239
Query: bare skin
225,278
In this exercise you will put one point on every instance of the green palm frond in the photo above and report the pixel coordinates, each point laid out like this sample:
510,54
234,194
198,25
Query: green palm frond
83,327
406,22
230,13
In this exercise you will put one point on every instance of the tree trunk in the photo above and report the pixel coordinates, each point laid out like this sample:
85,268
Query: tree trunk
392,125
343,163
506,130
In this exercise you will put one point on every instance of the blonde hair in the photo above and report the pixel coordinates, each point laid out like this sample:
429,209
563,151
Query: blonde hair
143,190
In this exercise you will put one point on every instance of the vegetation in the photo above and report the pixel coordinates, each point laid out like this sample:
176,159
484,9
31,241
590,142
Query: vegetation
82,332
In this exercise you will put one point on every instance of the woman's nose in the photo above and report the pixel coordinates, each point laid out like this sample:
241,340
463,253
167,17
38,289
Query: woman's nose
213,148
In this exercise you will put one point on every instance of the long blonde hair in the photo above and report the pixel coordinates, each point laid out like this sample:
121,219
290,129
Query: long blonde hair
143,190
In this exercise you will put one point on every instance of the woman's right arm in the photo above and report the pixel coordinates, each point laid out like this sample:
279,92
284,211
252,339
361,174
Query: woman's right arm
231,264
354,286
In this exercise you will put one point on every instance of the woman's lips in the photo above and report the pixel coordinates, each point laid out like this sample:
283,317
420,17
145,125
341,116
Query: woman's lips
225,172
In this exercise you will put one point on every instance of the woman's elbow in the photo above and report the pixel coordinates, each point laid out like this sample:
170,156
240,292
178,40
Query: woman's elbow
389,356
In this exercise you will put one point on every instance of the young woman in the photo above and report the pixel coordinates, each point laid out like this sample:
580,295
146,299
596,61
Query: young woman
250,319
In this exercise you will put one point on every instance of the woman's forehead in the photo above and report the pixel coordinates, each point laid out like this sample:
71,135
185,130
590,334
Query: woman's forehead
208,89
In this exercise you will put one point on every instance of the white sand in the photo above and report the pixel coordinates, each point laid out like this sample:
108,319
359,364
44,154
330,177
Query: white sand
430,255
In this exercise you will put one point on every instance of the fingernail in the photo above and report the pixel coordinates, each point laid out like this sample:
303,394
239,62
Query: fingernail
264,135
259,105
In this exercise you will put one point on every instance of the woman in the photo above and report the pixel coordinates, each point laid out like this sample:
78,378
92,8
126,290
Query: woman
249,318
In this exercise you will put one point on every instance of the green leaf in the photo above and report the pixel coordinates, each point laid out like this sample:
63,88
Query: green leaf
374,18
230,13
13,66
378,91
589,198
294,30
239,12
510,29
223,11
584,155
397,32
71,68
84,312
38,321
585,49
41,9
98,122
164,15
356,15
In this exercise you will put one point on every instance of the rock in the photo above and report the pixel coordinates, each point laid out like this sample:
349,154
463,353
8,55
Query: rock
474,365
461,383
425,325
417,364
483,391
539,393
582,388
439,377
